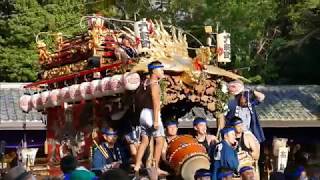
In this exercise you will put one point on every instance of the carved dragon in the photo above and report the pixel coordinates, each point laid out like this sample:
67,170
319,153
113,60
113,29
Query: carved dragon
172,50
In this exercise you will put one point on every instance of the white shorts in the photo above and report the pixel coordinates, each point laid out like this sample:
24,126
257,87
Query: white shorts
146,123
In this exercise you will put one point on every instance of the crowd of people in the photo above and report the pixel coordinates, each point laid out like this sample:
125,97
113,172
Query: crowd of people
234,154
112,160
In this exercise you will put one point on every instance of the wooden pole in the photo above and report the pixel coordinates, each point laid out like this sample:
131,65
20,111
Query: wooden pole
220,124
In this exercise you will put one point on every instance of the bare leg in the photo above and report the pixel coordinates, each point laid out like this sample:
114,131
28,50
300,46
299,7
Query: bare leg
159,141
158,149
143,145
133,150
150,159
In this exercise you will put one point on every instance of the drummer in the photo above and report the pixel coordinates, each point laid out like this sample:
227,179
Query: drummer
200,127
171,133
248,148
224,154
171,128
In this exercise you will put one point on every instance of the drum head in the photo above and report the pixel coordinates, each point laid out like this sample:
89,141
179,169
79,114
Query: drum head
191,165
177,142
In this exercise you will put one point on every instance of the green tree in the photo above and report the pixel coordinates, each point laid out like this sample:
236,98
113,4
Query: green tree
245,20
18,60
295,51
20,24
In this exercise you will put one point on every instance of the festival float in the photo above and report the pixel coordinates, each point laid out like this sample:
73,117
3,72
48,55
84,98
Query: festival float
96,74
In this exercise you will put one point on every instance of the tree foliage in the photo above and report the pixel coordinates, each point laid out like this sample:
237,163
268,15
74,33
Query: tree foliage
17,53
296,55
20,25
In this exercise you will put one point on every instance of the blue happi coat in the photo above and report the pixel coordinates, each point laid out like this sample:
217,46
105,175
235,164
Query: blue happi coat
255,126
99,162
224,156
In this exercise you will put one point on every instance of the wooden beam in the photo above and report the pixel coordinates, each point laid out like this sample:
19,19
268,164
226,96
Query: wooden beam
72,76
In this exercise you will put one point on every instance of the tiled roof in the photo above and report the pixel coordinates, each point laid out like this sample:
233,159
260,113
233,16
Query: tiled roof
284,106
11,116
299,105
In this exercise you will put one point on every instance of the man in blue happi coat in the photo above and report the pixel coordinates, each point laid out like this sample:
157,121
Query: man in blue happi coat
224,154
243,106
113,155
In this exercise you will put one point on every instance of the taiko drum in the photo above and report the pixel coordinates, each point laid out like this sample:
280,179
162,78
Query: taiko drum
183,149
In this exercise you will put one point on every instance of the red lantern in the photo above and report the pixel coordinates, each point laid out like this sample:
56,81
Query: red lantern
45,98
105,86
96,89
116,84
64,95
85,91
36,102
54,98
75,93
25,103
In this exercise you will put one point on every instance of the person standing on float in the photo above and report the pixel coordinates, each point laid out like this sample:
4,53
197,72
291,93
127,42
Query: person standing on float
150,119
243,106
